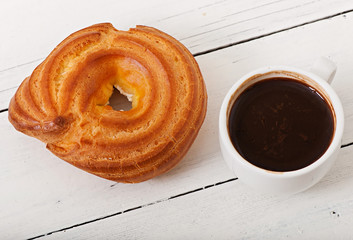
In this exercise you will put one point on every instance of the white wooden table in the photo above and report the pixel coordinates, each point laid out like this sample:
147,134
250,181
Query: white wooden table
43,197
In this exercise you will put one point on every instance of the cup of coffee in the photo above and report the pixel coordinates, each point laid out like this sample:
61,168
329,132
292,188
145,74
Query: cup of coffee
280,128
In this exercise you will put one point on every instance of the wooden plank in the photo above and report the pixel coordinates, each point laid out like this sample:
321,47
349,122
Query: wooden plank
232,211
200,25
45,194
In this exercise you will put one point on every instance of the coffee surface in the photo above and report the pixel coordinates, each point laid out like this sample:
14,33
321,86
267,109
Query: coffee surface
280,124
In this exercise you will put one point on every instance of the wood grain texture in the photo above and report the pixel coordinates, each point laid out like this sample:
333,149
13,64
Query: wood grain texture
45,194
232,211
213,24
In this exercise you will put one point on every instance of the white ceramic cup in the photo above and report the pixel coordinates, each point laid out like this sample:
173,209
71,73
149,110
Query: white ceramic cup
290,182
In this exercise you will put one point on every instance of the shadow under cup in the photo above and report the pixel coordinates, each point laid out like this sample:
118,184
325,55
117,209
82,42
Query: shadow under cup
280,181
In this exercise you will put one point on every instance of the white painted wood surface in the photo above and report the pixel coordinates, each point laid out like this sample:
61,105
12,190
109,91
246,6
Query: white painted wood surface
41,194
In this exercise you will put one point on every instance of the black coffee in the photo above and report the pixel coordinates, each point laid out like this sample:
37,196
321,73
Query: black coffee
281,124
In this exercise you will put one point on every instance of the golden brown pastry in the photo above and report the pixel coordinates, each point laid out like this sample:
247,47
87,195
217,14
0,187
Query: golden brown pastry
64,102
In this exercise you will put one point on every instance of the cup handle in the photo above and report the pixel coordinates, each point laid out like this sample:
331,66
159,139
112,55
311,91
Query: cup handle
324,68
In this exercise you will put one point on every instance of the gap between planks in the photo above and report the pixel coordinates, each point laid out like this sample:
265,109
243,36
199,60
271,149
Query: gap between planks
135,208
148,204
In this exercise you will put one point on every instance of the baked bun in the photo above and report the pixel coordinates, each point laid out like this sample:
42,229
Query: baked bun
64,102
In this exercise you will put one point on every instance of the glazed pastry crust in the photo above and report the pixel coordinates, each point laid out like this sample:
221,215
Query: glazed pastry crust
64,102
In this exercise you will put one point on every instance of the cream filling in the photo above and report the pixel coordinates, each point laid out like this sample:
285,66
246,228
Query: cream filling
128,95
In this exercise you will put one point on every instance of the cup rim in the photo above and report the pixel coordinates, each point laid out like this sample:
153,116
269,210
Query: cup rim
336,139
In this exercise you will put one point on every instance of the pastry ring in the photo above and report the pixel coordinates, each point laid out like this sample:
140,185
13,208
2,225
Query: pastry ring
64,102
